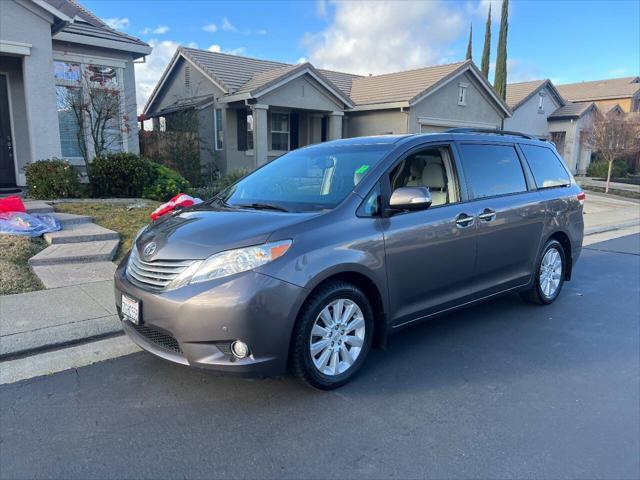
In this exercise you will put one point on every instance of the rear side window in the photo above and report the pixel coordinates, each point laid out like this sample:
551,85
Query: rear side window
492,170
546,167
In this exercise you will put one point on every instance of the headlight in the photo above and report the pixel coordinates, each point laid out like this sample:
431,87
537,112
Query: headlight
230,262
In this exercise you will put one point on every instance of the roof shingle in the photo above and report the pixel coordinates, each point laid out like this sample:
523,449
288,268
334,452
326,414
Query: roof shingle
600,89
571,110
519,92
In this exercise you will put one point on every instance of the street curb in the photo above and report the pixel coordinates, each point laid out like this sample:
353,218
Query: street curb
610,228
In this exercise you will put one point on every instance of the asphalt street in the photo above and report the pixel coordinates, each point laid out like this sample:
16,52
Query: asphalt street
502,390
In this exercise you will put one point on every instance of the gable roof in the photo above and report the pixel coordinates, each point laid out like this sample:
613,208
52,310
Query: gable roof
81,26
519,93
600,89
572,110
243,77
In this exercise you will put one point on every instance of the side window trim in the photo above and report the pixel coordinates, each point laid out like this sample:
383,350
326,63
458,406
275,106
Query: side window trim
528,177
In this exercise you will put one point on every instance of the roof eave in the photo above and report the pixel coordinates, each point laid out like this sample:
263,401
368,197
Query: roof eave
139,50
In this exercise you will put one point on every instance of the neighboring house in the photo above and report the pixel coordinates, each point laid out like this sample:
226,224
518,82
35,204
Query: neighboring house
538,109
253,110
622,91
531,103
570,127
45,48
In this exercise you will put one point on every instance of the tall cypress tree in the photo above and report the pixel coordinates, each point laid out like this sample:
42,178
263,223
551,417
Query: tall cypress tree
500,81
486,51
469,45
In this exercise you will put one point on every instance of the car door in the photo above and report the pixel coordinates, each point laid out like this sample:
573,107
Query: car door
430,254
510,215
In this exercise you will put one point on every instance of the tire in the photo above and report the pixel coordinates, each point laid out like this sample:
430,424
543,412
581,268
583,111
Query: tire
544,290
313,326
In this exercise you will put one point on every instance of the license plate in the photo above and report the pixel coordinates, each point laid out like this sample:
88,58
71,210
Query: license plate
131,309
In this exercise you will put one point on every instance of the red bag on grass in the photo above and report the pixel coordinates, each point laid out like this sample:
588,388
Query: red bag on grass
12,203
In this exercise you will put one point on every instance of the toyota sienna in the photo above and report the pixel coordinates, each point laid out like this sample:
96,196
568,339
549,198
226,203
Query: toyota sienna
316,256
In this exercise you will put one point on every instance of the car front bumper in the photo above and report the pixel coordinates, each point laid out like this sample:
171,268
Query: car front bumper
196,324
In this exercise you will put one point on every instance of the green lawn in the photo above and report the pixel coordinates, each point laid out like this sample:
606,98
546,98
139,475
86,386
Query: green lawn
15,274
114,216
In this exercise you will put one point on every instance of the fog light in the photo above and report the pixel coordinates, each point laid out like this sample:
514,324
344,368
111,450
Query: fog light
239,349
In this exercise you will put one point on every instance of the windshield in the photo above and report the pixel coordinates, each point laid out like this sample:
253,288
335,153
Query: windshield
310,179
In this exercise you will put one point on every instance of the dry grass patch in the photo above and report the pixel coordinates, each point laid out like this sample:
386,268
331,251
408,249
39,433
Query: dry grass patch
15,274
120,217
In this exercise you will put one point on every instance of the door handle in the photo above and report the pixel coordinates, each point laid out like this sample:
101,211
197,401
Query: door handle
463,220
487,215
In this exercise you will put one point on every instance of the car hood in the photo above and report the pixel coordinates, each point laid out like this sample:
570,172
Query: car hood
195,234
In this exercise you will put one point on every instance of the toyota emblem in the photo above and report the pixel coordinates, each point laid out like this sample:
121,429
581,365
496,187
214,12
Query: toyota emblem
150,249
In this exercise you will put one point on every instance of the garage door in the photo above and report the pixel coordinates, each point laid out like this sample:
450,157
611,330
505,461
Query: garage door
433,128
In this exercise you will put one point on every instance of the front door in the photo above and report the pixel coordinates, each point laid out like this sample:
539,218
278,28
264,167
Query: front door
510,216
7,168
430,254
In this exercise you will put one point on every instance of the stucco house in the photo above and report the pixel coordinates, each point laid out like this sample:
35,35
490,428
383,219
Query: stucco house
605,93
46,46
252,110
538,109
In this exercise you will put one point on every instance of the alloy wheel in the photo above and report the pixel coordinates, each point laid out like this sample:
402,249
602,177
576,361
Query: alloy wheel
337,337
550,272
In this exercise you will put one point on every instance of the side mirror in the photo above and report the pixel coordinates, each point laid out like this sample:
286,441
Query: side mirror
410,198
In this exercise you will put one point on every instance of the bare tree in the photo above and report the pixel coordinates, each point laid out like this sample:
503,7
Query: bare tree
614,136
95,104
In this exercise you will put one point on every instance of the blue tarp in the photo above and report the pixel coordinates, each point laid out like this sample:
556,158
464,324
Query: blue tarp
28,225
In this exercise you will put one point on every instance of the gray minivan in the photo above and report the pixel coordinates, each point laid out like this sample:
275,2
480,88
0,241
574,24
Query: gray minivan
313,258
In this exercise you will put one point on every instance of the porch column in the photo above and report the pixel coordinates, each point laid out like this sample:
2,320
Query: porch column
335,125
260,137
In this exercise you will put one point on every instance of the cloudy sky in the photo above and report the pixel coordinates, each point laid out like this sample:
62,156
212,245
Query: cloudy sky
565,40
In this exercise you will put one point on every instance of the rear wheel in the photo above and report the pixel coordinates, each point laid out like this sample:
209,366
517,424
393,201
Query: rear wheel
332,336
550,274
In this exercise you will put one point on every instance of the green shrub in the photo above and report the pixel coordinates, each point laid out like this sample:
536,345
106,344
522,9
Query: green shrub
219,184
120,175
600,168
165,184
50,179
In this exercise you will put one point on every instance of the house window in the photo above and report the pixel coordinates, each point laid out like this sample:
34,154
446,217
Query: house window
279,131
66,97
462,94
249,131
219,132
540,102
80,87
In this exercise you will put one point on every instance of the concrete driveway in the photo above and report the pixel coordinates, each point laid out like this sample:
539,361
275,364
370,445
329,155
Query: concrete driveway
503,390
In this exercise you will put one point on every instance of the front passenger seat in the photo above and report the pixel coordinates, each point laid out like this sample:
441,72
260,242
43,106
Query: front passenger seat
434,178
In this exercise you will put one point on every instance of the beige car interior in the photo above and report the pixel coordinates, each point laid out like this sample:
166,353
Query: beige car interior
432,169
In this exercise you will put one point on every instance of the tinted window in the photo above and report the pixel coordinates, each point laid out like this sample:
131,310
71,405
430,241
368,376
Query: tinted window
492,170
547,169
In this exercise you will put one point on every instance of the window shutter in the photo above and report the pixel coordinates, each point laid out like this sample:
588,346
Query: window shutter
241,116
294,130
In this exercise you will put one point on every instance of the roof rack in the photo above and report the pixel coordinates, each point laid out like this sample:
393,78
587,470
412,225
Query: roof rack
490,131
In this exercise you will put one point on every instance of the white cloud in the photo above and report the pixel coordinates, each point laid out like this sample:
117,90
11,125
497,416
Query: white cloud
321,8
117,23
159,30
232,51
617,72
211,28
378,37
302,60
227,26
262,32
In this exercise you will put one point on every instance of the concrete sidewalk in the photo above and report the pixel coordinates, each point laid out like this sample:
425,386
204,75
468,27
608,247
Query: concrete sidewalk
604,212
587,182
48,318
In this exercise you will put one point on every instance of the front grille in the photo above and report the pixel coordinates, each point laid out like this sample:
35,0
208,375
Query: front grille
158,337
156,274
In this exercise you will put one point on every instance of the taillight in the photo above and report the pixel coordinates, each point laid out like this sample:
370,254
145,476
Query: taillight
581,197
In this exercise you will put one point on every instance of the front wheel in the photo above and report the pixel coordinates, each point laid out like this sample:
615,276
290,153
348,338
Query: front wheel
550,274
332,336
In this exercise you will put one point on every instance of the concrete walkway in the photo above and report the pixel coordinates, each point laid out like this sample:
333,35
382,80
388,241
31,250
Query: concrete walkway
587,182
604,212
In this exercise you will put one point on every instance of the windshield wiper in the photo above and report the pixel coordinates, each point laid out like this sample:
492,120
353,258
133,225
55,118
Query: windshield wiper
263,206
